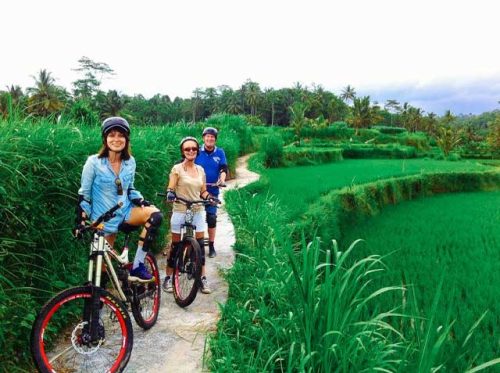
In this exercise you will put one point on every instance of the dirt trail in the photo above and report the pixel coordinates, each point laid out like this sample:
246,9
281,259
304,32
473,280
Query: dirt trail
176,343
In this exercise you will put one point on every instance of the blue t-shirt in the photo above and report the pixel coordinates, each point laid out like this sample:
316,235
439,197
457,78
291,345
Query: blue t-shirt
212,162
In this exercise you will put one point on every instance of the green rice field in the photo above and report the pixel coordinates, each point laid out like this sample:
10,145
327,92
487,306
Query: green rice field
297,187
452,236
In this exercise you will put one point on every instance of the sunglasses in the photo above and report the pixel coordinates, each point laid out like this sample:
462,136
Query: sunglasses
119,188
190,149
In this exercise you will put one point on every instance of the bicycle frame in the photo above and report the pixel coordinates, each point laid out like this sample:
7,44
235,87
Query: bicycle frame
100,248
187,229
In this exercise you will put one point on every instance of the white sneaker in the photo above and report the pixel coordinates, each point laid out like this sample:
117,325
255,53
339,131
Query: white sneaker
167,284
205,288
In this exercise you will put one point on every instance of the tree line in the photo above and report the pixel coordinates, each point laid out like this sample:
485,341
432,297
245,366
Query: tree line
296,106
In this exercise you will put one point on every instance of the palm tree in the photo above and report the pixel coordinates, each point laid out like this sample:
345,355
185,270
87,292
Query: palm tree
45,97
16,93
447,138
112,104
211,99
411,117
361,113
196,103
298,120
337,109
233,104
271,96
447,118
392,106
430,123
252,95
493,137
348,94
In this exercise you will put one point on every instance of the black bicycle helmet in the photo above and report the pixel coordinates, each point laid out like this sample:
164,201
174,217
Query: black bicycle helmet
114,122
210,131
189,138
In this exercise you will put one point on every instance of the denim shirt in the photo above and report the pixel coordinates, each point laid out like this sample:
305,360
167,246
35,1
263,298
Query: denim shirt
100,192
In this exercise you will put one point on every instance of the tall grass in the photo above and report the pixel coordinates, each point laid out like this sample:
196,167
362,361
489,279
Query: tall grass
309,307
40,169
452,239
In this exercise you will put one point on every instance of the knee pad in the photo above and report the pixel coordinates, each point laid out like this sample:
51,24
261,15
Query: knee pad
201,242
211,220
154,224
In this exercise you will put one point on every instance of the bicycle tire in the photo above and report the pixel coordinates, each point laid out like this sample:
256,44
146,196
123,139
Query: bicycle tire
187,273
56,335
146,298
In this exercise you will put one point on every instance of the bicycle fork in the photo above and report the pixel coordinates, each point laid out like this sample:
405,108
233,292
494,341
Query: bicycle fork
92,332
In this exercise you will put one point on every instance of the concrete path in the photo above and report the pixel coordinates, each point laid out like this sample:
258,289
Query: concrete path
177,342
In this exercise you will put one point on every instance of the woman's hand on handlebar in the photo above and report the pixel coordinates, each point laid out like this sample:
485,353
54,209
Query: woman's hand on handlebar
213,201
171,196
78,231
83,227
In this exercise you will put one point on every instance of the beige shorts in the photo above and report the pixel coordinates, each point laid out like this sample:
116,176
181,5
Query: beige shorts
178,218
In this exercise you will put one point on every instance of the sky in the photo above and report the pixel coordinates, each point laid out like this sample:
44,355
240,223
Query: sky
434,54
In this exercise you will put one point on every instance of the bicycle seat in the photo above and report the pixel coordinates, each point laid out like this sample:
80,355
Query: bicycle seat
128,228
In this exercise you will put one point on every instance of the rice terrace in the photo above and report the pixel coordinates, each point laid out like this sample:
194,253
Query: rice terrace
371,241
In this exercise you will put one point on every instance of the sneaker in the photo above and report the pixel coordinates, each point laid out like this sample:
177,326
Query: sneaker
167,284
141,272
211,252
205,288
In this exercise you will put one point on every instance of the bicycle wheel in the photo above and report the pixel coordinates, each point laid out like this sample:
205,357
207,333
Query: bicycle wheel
146,297
187,273
59,338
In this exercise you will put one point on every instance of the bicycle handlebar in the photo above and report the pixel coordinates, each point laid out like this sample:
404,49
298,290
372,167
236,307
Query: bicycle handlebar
189,203
104,217
216,185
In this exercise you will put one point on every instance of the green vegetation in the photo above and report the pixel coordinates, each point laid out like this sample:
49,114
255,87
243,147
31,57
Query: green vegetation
310,182
293,306
455,237
308,112
40,170
313,308
292,310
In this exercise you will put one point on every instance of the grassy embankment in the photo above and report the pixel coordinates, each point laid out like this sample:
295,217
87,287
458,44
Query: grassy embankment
292,310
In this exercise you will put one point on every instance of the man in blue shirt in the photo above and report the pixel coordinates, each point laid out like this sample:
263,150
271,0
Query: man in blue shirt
213,161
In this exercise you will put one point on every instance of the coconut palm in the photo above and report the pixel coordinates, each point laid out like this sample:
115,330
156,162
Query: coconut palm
211,99
493,137
15,92
430,123
448,138
45,97
298,120
447,118
348,94
361,113
392,106
271,96
252,93
233,104
111,104
196,103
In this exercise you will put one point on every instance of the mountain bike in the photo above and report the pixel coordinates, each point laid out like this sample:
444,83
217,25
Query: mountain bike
186,278
88,328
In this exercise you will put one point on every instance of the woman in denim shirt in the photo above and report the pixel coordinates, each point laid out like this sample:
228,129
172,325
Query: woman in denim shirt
107,179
